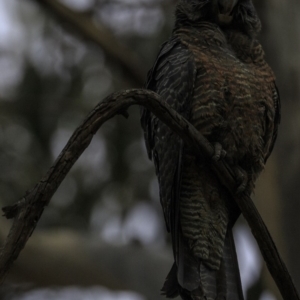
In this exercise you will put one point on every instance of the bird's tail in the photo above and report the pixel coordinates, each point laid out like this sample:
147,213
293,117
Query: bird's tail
222,284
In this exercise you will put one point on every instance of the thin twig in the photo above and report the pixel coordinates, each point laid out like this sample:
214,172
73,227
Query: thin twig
27,212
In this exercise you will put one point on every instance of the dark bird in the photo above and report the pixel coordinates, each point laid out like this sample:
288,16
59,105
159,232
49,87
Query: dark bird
212,70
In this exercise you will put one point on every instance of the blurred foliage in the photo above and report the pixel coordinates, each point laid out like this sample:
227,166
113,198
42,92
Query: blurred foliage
59,79
51,78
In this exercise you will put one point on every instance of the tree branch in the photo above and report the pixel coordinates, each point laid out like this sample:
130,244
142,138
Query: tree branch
78,258
117,51
27,211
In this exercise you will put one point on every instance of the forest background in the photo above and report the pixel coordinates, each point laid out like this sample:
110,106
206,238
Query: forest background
103,234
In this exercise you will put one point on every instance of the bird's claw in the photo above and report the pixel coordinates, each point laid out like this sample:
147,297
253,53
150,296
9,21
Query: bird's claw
219,152
240,174
242,179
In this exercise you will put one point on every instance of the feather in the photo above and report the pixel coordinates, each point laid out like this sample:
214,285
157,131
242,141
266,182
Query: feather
216,77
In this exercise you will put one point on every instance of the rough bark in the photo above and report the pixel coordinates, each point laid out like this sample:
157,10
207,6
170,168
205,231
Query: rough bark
267,200
280,39
85,260
28,210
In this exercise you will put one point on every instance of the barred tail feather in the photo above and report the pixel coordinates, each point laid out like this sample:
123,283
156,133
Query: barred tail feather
233,278
212,285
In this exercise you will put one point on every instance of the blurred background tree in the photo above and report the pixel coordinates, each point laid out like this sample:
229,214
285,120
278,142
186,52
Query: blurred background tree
103,232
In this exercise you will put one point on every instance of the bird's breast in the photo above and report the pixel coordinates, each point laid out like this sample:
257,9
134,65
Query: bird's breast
232,103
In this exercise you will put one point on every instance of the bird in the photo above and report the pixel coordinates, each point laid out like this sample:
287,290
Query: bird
211,70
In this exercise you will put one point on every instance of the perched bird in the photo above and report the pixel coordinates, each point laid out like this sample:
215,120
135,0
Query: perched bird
212,71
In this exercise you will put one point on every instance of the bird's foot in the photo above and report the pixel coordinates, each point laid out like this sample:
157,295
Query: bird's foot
219,152
242,179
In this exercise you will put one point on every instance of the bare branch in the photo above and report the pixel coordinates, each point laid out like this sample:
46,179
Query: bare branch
78,256
27,212
99,35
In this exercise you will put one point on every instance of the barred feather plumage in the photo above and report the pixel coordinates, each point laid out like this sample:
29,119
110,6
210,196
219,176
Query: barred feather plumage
216,76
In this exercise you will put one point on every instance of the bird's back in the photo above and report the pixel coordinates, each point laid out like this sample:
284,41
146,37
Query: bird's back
227,93
232,104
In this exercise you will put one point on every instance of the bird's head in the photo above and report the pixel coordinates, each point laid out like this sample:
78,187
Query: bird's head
224,10
239,14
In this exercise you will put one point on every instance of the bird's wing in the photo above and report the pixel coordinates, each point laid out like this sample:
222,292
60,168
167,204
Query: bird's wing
277,107
172,77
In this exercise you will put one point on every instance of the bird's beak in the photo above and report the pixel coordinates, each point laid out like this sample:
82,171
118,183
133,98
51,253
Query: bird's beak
225,8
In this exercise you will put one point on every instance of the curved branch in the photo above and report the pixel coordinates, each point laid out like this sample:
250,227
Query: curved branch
27,211
76,256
